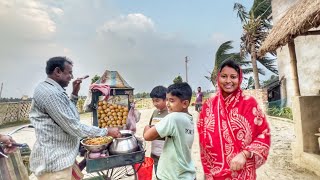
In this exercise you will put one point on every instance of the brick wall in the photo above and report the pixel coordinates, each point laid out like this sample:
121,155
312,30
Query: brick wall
260,95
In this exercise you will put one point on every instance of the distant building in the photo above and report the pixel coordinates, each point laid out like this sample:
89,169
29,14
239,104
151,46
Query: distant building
24,98
274,92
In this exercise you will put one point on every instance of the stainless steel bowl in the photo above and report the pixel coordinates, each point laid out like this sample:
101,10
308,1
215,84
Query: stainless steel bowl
94,148
126,144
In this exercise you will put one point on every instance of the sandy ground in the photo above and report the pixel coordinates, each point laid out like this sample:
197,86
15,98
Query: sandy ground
278,166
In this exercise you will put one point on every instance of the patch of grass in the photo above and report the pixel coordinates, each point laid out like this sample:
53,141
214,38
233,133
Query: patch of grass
284,112
12,124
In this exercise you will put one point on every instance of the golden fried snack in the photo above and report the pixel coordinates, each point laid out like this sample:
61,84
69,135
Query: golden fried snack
98,140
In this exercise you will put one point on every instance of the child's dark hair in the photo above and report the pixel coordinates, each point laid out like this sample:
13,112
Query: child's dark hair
230,63
181,90
159,92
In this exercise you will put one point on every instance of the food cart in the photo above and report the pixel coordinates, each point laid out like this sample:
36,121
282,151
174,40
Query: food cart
121,93
113,112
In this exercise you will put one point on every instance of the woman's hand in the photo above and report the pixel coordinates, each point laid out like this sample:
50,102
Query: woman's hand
238,162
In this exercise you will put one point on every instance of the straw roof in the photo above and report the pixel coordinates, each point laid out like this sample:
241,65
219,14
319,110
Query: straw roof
301,17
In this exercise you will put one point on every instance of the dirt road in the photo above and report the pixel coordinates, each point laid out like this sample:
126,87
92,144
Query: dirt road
278,166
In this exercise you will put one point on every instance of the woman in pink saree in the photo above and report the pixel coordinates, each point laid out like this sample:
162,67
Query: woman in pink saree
233,131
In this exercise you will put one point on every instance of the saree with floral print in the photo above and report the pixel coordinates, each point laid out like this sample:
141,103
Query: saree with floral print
227,126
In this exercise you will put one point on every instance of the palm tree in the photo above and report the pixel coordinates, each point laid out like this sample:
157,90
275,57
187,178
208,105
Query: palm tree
256,24
224,54
250,83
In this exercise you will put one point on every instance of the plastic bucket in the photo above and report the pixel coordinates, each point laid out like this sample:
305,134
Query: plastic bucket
145,169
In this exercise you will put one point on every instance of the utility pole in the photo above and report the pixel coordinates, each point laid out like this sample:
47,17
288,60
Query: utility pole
186,63
1,89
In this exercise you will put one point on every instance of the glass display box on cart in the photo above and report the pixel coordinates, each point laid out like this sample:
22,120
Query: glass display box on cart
113,112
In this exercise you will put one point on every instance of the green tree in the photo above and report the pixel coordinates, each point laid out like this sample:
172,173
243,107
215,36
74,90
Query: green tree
250,84
177,79
138,95
255,24
95,78
145,95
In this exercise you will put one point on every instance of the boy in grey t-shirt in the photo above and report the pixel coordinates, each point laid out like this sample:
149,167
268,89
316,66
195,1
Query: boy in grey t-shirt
178,129
158,95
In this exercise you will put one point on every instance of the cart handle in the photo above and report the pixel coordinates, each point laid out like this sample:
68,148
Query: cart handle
18,129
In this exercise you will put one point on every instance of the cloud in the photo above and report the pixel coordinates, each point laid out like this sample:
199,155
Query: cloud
135,22
126,32
57,11
32,21
25,27
145,57
27,32
96,37
218,38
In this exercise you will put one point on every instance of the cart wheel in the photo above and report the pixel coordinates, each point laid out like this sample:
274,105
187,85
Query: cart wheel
113,174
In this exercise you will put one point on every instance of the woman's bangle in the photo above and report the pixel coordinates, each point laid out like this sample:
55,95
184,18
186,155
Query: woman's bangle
244,155
251,154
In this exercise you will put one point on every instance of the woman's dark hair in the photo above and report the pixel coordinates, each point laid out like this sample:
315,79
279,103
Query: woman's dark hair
54,62
159,92
181,90
230,63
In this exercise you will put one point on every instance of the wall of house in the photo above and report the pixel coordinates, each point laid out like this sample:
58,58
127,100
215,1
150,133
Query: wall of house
305,149
306,116
308,58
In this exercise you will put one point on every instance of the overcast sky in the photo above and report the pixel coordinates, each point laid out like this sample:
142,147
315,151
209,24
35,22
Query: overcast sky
145,41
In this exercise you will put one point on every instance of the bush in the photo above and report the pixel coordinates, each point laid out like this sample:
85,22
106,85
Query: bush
284,112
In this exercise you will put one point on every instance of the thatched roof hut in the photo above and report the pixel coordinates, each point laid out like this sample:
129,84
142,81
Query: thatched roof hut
298,20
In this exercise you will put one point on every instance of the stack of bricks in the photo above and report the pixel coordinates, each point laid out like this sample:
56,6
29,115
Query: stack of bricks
260,95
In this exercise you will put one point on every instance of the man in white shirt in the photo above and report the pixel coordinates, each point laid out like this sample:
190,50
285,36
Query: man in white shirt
57,123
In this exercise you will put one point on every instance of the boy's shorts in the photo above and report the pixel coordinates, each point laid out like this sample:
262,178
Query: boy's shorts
198,107
155,159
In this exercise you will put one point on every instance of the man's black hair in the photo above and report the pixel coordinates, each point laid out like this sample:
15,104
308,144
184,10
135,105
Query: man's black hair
54,62
159,92
181,90
230,63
